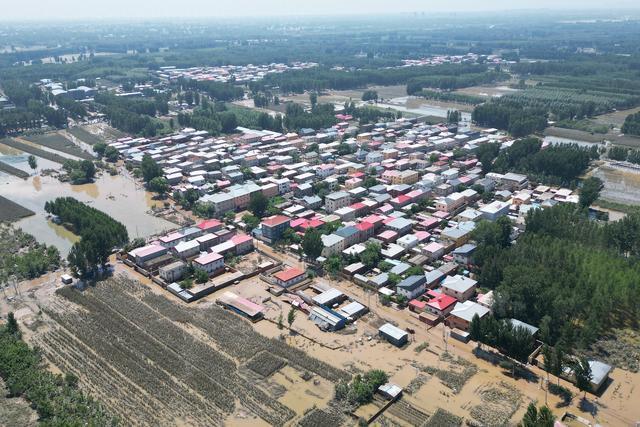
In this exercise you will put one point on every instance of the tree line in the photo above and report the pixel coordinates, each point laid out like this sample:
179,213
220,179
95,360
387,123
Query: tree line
33,108
631,124
321,78
132,115
99,234
554,164
572,277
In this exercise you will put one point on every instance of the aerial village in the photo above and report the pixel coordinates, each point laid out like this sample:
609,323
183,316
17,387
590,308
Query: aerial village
401,240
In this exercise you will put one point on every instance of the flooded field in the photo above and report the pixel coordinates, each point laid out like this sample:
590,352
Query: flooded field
119,196
621,185
550,139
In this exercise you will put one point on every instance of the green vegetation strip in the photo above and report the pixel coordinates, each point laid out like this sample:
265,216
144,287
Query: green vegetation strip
11,211
59,143
56,398
21,255
5,167
33,150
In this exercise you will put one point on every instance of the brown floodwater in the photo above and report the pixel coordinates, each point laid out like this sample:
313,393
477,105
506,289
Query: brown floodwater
119,196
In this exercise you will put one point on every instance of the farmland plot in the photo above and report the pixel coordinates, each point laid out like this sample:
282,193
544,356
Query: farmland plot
57,142
152,361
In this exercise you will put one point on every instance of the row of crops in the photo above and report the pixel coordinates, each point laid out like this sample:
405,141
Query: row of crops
133,350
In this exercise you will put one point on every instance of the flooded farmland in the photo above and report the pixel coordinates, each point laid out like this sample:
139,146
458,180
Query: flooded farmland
119,196
621,185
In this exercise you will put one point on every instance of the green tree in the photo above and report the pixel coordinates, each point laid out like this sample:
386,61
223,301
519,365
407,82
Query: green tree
535,417
370,95
12,325
280,320
200,276
313,98
159,185
150,168
547,359
590,191
99,148
258,204
371,255
558,364
475,329
333,264
33,163
401,300
312,243
111,154
583,375
291,316
251,221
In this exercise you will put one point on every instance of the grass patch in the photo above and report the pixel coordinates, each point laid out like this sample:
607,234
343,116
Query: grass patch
584,125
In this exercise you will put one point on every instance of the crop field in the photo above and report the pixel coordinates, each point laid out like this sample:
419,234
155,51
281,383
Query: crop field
499,403
10,142
11,211
408,413
5,167
151,360
442,418
84,135
96,132
57,142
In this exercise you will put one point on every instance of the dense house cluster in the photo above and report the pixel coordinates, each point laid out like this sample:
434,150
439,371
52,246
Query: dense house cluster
201,247
469,58
415,189
229,73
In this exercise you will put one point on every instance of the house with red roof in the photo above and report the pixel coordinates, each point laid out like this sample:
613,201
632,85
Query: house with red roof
439,303
210,225
376,220
243,243
312,223
365,230
400,201
289,277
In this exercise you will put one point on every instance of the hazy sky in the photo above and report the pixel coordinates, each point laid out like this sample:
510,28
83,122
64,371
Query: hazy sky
105,9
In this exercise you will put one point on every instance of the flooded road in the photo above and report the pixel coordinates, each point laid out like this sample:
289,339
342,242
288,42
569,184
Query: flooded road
119,196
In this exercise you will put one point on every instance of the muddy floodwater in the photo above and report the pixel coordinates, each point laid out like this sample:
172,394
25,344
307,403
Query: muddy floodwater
119,196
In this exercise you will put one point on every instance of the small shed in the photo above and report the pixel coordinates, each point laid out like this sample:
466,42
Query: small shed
66,279
390,391
394,335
